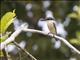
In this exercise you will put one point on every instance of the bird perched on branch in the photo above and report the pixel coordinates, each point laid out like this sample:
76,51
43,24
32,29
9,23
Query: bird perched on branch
51,23
48,24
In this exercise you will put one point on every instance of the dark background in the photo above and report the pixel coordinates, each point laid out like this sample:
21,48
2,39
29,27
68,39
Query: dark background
45,51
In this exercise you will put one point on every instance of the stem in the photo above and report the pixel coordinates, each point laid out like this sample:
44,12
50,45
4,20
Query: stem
24,50
23,28
5,57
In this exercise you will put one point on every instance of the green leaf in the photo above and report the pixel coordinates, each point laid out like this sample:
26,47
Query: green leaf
78,35
1,53
4,37
72,15
75,41
6,20
75,14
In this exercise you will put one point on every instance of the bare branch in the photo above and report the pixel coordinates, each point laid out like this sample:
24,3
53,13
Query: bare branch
16,33
24,50
12,37
55,36
67,43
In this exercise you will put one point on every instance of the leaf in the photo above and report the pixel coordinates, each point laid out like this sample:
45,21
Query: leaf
78,12
78,35
1,53
6,20
72,15
75,14
75,41
4,37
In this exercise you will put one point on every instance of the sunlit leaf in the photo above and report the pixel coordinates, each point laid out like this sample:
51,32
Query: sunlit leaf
1,53
78,34
75,41
75,14
4,37
6,20
72,15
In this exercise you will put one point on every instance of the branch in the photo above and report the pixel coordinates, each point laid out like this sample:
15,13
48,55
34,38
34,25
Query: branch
5,54
55,36
12,37
24,50
23,28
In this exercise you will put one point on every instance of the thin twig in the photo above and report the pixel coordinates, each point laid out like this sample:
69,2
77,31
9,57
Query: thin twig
24,50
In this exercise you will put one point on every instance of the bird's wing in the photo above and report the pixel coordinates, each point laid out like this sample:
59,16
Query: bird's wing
51,27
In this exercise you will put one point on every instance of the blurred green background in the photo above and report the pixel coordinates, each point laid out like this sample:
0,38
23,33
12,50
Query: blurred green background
39,45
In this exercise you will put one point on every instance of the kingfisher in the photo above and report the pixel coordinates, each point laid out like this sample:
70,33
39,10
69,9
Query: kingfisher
51,23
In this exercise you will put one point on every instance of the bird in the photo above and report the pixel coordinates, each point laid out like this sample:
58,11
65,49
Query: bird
43,25
48,24
51,25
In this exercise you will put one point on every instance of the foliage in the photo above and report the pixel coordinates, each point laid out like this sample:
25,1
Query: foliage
6,20
76,13
76,41
38,45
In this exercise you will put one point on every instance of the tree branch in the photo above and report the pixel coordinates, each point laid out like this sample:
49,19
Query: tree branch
24,50
23,28
55,36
